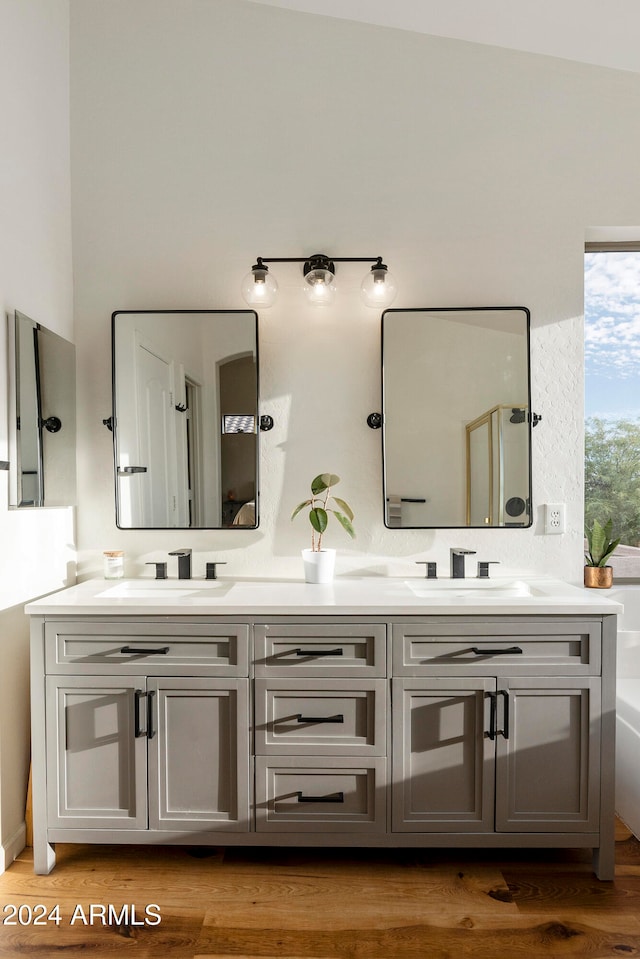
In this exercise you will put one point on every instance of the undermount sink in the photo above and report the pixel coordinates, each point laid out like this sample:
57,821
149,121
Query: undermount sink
159,588
471,588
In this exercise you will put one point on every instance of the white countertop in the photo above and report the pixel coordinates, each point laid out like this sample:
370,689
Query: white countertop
375,595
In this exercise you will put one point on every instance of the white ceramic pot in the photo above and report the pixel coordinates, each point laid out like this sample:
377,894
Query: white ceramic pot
318,566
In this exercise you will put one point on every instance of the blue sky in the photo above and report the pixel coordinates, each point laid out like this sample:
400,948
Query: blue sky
612,335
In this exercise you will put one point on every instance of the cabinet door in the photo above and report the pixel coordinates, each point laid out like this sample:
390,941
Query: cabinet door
96,765
548,755
443,761
199,754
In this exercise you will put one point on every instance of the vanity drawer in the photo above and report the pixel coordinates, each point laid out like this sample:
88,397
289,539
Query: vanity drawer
337,717
540,646
332,649
178,649
295,794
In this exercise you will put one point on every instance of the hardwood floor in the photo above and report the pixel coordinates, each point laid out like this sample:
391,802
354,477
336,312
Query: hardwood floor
323,904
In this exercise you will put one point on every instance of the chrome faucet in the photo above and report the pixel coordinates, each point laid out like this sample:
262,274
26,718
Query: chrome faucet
184,562
457,561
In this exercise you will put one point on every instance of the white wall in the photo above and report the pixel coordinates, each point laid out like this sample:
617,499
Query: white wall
207,132
38,553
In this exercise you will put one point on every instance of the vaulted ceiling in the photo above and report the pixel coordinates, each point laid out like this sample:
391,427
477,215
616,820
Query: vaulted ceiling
590,31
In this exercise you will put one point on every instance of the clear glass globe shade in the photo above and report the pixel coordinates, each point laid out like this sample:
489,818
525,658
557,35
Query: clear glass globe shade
259,289
378,289
320,287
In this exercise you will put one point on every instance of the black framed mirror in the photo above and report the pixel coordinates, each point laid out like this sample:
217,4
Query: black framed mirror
42,415
185,418
456,417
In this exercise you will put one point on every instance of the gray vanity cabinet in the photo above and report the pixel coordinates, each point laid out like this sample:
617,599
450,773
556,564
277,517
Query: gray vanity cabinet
443,765
199,755
116,736
496,754
145,729
96,766
548,755
321,714
324,729
497,725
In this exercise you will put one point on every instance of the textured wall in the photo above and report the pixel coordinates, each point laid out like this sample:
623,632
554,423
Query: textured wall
205,133
35,277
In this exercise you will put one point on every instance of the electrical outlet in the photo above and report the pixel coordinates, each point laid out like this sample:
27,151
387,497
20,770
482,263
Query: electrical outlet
554,518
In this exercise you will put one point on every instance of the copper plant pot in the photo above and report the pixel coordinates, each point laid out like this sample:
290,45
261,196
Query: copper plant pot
598,577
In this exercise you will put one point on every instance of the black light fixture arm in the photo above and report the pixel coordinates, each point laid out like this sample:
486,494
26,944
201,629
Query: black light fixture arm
310,260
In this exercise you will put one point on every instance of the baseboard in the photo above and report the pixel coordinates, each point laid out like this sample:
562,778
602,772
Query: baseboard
12,848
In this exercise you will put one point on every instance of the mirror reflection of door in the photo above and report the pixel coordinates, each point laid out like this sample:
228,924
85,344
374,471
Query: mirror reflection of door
497,478
192,454
161,496
174,375
236,377
479,472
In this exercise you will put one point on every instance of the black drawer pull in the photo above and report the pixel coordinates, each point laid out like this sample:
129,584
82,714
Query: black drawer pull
338,718
495,652
162,650
318,652
332,797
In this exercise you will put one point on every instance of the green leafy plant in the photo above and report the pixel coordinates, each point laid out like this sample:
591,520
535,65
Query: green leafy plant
600,546
319,511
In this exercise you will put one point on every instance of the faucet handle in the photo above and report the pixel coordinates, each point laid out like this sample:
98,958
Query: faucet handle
161,569
483,567
211,571
431,568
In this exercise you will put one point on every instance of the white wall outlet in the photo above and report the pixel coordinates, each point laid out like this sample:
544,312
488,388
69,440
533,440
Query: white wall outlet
554,518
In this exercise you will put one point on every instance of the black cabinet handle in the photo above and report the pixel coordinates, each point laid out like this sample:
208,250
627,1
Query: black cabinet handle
505,722
494,732
332,797
492,715
338,718
510,650
148,651
318,652
150,730
138,731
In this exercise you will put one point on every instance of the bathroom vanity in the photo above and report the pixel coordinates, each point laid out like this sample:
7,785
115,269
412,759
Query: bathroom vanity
367,712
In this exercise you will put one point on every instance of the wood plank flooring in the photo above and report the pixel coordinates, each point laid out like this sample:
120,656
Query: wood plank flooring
323,904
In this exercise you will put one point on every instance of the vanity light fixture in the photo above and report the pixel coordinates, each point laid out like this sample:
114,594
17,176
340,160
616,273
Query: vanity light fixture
378,289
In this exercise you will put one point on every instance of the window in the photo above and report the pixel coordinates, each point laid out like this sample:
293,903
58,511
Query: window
612,396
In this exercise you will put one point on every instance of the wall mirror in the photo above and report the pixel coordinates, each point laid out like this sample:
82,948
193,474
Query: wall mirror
456,417
185,418
42,415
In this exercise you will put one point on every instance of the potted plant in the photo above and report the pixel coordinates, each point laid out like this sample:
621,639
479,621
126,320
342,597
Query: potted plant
600,547
318,561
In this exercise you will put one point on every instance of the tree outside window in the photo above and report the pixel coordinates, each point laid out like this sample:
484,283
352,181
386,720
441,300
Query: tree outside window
612,398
